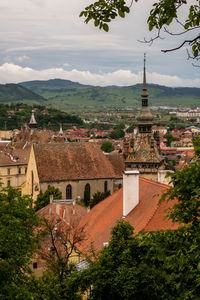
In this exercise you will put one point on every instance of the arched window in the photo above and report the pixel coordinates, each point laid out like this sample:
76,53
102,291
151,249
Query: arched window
32,183
105,186
87,193
69,191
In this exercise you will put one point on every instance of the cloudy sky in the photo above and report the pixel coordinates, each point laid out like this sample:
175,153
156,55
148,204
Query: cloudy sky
45,39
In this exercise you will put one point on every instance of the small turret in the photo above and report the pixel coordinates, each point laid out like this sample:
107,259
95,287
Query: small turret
32,124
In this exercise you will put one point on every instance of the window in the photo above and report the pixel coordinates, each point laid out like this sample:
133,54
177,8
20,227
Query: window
120,186
25,170
32,182
69,191
87,192
8,171
8,183
105,186
19,171
35,265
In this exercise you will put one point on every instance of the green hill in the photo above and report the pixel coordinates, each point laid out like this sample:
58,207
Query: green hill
15,92
52,84
65,94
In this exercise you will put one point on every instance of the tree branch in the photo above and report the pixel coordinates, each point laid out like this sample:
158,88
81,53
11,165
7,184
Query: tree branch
181,45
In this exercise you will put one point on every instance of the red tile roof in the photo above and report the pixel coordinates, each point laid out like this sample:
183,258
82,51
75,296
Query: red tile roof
57,162
147,215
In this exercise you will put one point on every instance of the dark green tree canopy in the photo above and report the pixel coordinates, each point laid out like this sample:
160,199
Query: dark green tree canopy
43,199
107,146
162,17
17,242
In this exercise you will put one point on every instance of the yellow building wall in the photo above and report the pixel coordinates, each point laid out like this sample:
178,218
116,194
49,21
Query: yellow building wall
32,185
13,175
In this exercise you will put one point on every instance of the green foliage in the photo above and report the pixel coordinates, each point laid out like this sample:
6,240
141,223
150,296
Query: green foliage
23,113
169,138
49,287
44,198
17,242
98,197
103,11
147,266
186,189
118,132
196,144
107,147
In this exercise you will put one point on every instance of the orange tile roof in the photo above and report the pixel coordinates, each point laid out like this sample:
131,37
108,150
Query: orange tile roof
72,161
147,215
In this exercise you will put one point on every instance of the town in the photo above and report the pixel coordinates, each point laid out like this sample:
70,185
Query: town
99,150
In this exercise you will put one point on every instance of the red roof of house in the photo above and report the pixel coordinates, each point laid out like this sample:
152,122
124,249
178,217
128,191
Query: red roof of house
147,215
73,161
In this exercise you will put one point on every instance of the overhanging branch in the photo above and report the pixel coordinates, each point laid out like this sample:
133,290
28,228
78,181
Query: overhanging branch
181,45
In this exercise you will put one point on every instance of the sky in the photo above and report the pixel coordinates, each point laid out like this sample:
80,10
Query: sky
46,39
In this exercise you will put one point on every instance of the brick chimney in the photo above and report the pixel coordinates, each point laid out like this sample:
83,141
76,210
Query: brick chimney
130,191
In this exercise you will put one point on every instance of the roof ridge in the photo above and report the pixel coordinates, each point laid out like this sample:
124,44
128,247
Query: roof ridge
154,182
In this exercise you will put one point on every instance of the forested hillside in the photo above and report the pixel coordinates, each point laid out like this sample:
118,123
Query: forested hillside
15,115
14,92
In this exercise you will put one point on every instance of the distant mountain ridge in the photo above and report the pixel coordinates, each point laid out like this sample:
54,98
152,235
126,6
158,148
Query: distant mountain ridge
52,84
65,94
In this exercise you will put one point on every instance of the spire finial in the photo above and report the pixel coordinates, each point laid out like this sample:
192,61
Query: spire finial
144,75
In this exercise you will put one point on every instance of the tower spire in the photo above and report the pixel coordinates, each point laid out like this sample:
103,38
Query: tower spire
144,74
145,117
144,94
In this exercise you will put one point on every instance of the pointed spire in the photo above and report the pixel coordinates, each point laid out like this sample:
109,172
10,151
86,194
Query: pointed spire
32,123
145,117
144,74
61,130
144,94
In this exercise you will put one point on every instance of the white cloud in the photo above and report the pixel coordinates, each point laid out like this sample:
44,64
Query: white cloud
10,72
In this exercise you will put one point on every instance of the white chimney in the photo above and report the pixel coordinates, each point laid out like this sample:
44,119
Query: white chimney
51,199
130,191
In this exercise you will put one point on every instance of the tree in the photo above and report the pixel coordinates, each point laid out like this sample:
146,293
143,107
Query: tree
162,17
18,240
186,190
146,266
60,256
43,199
98,197
170,138
107,147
